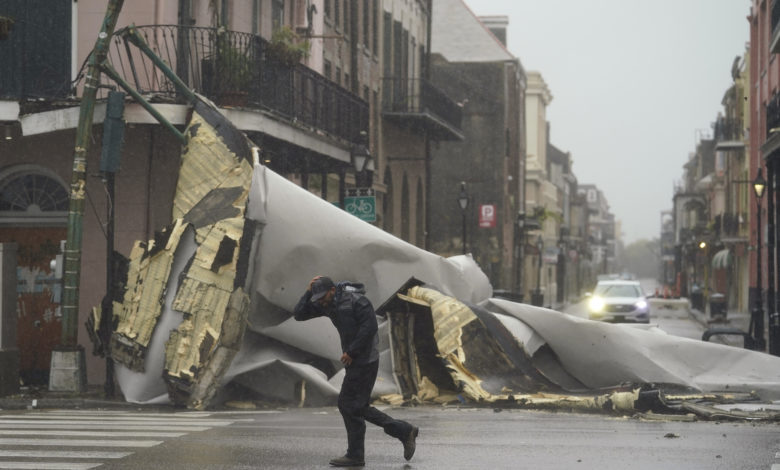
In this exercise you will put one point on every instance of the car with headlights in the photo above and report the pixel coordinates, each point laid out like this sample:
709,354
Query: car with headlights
618,301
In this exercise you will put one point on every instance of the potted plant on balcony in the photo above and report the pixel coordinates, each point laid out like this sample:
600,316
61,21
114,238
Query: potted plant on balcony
233,67
227,72
287,47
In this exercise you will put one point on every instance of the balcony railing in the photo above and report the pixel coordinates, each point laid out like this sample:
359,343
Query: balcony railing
773,115
418,99
239,69
729,224
728,129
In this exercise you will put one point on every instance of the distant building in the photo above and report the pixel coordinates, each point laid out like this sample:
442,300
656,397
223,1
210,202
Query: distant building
472,65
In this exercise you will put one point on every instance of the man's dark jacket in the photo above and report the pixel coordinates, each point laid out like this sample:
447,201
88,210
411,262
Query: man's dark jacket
353,316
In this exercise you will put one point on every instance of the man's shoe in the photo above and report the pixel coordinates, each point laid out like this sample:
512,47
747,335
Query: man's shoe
347,461
410,443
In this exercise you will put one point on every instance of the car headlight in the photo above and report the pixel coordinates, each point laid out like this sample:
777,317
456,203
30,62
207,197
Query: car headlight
641,305
596,304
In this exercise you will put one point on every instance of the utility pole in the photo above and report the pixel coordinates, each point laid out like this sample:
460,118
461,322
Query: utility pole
68,364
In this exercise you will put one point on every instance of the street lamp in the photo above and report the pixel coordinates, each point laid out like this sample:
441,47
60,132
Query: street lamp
463,201
364,165
757,314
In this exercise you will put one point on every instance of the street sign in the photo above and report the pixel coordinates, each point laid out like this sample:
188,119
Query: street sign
361,202
487,215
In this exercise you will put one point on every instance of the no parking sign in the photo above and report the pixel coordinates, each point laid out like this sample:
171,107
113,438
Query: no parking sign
487,215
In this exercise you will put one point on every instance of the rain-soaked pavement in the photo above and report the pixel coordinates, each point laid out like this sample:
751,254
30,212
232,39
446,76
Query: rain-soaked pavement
450,438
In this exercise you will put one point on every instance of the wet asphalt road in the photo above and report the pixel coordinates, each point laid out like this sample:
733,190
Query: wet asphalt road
467,439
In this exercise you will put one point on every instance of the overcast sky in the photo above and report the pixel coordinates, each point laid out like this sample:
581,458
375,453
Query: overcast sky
633,82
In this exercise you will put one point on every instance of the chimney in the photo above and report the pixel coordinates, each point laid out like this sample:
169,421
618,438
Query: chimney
497,25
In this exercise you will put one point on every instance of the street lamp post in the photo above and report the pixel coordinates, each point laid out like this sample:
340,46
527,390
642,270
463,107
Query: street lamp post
757,314
463,201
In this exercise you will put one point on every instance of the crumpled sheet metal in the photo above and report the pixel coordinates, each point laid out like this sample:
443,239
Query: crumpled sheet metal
211,196
271,238
303,235
457,348
242,228
604,355
628,385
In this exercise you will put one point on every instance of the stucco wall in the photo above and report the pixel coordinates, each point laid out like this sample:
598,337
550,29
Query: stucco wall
144,191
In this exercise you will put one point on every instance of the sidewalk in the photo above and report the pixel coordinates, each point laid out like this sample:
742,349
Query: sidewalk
31,398
738,320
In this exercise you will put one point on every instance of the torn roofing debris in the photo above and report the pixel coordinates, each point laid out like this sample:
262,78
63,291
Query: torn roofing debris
205,314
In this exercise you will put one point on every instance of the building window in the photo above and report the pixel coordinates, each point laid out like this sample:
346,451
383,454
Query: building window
337,78
337,13
375,27
28,194
327,69
277,14
224,12
366,22
255,17
327,8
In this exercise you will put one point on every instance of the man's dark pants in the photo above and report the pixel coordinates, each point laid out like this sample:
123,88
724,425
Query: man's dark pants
354,406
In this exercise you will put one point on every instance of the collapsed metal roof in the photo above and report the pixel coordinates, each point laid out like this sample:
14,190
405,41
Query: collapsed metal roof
206,313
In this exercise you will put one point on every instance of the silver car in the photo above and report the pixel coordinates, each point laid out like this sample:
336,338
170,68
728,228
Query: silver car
618,301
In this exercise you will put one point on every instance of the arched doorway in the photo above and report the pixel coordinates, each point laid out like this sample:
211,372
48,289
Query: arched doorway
34,215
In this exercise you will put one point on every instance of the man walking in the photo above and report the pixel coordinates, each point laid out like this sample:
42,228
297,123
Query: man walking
353,316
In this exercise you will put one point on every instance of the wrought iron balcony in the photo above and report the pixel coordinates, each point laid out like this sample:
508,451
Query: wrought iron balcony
728,133
417,103
728,225
773,115
242,70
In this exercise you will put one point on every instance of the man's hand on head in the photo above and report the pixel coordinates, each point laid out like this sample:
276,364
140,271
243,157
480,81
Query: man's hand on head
311,283
345,359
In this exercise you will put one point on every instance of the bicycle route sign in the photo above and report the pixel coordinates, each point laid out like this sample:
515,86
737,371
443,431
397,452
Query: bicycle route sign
361,202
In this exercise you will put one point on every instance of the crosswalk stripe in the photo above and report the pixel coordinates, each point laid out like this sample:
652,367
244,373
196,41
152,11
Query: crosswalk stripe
49,465
77,442
115,421
72,439
42,432
180,414
129,419
64,454
111,426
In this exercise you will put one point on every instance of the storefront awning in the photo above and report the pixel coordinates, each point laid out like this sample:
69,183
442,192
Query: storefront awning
722,259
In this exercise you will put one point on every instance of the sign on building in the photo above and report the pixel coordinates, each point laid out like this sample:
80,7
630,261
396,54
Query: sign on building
361,202
487,215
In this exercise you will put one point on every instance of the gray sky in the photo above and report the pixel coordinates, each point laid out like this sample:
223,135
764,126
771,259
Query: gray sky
632,82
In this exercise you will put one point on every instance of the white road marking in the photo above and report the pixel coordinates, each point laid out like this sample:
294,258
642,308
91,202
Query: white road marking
41,432
64,454
49,465
76,443
72,439
111,419
114,426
